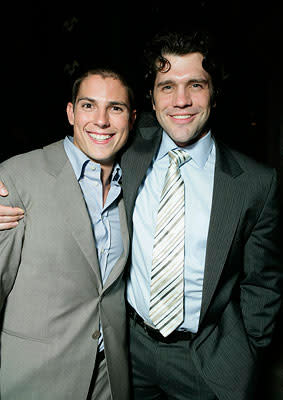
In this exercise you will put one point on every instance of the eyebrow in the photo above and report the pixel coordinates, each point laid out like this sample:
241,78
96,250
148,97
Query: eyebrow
111,103
194,80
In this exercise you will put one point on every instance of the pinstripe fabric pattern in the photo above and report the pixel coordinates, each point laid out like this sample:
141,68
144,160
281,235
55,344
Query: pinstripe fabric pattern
167,274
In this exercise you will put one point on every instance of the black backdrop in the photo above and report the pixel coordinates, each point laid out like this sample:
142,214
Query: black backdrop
44,45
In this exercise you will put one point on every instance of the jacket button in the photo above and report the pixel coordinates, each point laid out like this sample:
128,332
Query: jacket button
95,335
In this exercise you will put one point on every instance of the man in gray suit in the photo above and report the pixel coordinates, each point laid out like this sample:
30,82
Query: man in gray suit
232,273
63,325
230,284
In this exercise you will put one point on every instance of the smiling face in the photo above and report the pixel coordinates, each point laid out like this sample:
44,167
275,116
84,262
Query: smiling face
182,98
101,118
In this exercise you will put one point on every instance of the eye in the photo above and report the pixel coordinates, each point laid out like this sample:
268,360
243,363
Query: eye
197,86
167,88
117,109
87,106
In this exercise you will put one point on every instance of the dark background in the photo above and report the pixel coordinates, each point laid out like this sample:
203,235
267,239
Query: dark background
45,45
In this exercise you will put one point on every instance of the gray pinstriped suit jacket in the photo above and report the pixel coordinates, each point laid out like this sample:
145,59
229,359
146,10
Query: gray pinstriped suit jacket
243,270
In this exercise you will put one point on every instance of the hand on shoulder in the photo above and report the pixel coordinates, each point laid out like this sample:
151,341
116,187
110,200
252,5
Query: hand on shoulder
9,216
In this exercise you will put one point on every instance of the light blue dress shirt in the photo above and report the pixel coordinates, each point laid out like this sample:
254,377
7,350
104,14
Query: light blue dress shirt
198,176
105,219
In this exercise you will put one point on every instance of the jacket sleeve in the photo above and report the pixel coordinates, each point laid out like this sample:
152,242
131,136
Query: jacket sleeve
11,240
261,287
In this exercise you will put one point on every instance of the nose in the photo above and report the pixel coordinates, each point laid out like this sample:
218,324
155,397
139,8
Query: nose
101,118
182,98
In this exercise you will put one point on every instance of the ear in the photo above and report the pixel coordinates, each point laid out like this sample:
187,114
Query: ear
133,117
70,113
152,99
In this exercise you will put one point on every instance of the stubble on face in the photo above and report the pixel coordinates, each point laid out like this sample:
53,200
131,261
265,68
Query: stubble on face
182,98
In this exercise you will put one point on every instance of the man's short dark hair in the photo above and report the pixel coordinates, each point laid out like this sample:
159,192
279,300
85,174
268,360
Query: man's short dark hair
104,72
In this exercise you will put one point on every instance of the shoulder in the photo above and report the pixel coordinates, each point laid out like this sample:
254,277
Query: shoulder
28,176
31,162
32,156
254,182
246,163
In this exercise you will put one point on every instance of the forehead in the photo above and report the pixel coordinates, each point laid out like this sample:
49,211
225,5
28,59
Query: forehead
183,67
108,88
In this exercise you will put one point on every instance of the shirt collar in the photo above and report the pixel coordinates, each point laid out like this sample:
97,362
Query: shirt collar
199,151
79,160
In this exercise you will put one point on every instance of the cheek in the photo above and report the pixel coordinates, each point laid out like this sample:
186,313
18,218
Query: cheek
83,120
161,105
204,101
166,102
124,134
121,125
160,102
81,125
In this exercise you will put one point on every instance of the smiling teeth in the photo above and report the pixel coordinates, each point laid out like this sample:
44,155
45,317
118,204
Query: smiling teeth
181,116
99,137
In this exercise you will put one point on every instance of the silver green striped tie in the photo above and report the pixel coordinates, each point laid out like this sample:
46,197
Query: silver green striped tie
167,274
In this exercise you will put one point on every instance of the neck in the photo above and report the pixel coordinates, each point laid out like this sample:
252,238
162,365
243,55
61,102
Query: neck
106,172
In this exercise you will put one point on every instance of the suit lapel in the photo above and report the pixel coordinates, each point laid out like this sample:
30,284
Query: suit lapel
70,203
225,212
135,163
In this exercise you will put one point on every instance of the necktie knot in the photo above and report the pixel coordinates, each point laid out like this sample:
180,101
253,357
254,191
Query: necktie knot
179,157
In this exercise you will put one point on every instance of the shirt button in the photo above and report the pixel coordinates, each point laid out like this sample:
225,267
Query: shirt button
93,168
95,335
96,183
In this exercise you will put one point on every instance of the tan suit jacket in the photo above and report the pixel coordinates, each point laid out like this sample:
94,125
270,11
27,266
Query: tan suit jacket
51,295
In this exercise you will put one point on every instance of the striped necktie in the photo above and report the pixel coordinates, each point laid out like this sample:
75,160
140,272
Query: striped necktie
167,274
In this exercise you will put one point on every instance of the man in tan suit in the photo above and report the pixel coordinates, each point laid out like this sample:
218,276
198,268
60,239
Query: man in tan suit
61,270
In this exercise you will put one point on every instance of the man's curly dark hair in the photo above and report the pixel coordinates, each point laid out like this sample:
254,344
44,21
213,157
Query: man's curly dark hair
180,44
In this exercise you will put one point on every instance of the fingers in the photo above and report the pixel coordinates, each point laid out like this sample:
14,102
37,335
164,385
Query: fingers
6,219
3,190
8,225
6,211
9,217
9,222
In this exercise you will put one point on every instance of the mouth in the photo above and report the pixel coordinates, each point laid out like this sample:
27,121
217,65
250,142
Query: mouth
100,137
182,118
